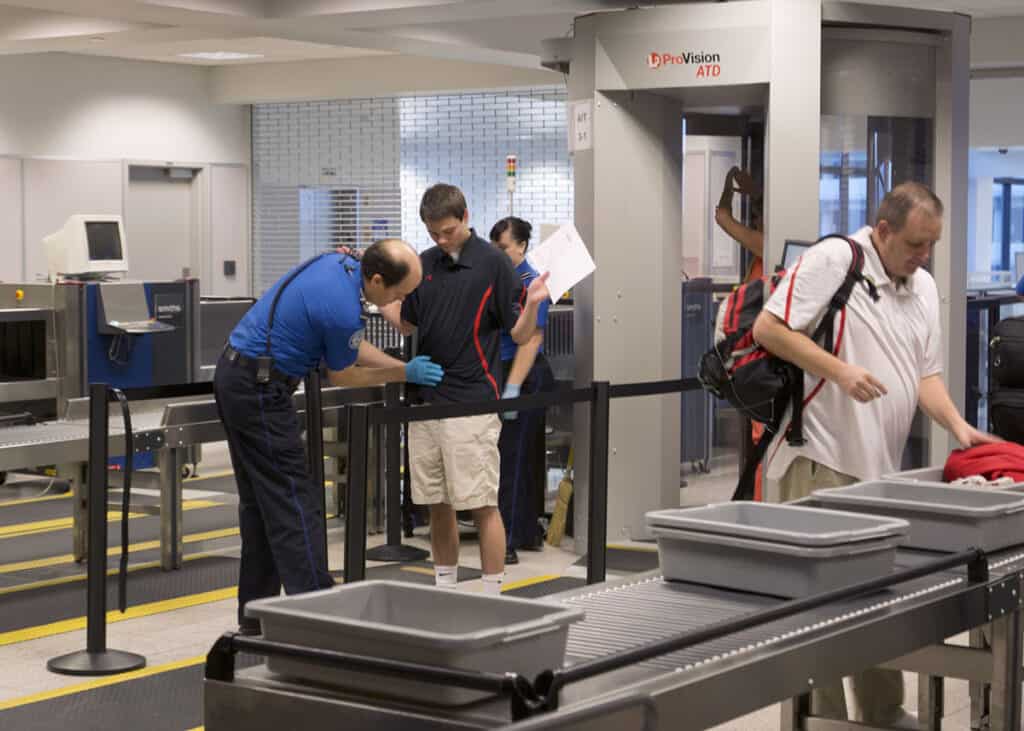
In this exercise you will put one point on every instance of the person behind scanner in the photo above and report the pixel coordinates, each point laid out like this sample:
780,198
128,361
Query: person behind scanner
527,372
750,238
887,361
313,313
470,294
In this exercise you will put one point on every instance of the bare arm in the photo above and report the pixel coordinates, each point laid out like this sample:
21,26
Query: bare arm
393,314
372,368
750,239
934,400
370,356
526,354
777,338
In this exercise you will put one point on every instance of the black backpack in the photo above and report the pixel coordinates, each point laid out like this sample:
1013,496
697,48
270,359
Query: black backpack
761,385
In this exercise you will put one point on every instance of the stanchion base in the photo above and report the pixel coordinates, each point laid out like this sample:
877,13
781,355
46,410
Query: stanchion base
396,554
108,662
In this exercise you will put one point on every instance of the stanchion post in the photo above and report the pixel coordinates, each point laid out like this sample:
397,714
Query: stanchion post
96,659
315,441
394,550
392,458
355,493
597,518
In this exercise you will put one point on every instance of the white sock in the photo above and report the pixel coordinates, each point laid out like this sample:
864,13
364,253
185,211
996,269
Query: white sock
446,575
492,583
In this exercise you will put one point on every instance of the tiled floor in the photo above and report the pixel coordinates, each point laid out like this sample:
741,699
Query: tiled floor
189,632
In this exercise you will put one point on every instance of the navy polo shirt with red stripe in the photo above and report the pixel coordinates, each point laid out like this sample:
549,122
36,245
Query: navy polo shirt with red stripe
460,310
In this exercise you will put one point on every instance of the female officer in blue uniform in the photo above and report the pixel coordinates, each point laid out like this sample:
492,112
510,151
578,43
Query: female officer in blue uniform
521,444
314,313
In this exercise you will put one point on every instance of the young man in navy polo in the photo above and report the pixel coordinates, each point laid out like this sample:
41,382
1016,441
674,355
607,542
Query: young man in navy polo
470,293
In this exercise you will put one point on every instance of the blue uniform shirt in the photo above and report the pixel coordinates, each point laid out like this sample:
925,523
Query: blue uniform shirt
527,274
318,316
1020,287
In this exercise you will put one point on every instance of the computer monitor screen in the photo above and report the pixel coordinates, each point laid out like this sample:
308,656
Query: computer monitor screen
87,246
104,238
792,251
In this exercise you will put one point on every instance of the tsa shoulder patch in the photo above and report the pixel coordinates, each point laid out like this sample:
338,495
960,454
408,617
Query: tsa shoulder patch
356,339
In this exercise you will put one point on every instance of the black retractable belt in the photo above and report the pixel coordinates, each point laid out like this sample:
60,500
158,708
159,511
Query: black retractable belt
129,450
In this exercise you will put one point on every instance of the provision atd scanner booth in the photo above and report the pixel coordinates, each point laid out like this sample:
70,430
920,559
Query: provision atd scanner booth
846,101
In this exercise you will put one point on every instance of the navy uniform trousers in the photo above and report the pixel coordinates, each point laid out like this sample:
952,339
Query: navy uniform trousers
280,511
523,468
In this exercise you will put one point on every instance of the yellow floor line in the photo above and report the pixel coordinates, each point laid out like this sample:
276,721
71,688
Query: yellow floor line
30,500
114,551
529,582
82,577
638,549
55,524
102,682
210,476
143,610
419,570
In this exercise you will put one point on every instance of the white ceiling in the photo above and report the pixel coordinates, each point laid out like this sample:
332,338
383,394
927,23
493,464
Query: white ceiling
492,31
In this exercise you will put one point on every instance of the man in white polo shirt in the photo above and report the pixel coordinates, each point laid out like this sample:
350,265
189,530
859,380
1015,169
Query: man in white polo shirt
862,396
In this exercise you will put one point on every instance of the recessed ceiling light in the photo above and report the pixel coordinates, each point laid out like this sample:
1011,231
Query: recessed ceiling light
221,55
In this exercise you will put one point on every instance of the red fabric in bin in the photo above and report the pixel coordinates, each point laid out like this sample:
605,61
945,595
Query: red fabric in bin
991,461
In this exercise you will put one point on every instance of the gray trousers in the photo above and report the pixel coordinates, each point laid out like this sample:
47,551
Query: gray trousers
879,693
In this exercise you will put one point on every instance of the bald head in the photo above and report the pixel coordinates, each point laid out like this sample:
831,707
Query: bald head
391,271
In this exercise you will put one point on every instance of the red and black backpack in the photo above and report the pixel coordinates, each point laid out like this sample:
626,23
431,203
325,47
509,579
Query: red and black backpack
761,385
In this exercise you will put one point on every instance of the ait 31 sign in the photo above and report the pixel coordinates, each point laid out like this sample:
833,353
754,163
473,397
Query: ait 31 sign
705,65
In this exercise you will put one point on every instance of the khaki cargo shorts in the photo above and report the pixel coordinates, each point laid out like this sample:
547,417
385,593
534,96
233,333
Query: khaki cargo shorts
455,461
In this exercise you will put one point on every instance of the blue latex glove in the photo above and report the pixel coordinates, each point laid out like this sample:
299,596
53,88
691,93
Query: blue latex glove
511,391
423,371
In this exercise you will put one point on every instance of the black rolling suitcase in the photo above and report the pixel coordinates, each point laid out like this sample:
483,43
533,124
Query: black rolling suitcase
1006,412
1006,361
1006,353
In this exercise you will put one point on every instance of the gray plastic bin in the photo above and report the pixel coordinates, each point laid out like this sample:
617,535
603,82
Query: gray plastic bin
941,517
797,525
769,567
421,624
934,476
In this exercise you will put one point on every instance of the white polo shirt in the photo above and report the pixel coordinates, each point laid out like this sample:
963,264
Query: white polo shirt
897,339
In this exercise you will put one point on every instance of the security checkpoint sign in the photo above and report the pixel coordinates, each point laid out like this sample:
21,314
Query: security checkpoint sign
581,125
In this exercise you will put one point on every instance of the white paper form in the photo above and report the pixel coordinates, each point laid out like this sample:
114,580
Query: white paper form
565,257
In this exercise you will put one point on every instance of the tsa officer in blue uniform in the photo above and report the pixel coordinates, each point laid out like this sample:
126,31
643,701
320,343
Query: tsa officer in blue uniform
314,313
521,444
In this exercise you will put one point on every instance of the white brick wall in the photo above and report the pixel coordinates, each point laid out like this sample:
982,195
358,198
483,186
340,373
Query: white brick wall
305,155
463,139
391,150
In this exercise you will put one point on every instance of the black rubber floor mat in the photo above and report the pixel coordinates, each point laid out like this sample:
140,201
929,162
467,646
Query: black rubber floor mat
167,701
34,607
628,561
546,588
22,513
56,543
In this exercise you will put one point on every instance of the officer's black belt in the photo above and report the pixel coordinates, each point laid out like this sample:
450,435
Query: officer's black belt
253,365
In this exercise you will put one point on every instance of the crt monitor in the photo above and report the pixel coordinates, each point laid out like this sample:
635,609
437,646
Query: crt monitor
792,251
88,245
